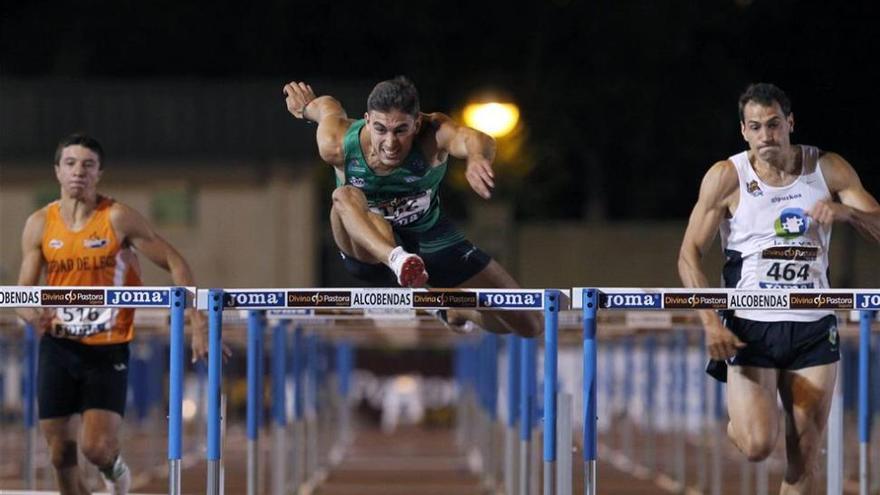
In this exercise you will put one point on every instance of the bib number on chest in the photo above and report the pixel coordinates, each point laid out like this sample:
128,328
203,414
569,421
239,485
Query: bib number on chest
788,267
405,210
76,323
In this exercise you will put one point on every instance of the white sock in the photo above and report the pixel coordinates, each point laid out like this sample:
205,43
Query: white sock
395,254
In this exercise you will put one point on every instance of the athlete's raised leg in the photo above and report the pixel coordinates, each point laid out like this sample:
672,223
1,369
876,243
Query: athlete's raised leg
806,399
753,410
368,237
61,434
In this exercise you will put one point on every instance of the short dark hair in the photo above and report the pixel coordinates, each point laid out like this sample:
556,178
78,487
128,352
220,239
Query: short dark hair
764,94
81,139
394,94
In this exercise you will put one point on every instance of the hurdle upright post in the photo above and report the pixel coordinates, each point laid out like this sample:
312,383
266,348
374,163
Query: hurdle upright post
254,397
175,389
297,363
865,318
590,300
511,440
30,402
215,369
551,344
527,411
279,407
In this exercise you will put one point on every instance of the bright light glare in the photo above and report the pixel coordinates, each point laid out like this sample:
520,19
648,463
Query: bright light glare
188,409
495,119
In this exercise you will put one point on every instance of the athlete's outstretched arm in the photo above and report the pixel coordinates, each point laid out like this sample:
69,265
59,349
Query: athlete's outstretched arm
137,231
32,267
477,148
327,112
719,183
856,207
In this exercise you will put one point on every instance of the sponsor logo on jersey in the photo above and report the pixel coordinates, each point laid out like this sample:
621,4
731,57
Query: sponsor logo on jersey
695,301
787,197
630,300
821,301
308,299
357,181
381,298
94,242
56,243
255,299
444,299
758,300
754,189
792,222
355,166
510,300
793,253
409,179
137,297
72,297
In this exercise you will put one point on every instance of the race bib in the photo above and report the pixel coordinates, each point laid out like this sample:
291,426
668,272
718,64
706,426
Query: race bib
786,267
76,323
405,210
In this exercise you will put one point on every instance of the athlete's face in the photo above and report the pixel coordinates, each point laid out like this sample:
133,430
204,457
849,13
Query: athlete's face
78,171
391,135
767,130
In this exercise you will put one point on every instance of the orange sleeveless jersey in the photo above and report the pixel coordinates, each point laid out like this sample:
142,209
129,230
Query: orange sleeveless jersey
91,256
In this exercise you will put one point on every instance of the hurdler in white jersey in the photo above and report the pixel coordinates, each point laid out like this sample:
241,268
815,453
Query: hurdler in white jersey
774,206
770,242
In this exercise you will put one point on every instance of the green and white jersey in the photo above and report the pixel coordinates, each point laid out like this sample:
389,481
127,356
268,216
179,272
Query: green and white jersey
407,197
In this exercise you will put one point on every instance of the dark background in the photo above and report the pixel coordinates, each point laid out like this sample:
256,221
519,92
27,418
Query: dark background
624,104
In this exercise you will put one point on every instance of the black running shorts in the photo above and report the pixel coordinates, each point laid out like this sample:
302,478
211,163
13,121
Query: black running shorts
450,259
785,345
75,377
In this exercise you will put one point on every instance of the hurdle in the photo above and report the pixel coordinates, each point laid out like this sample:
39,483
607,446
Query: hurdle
866,301
298,299
176,299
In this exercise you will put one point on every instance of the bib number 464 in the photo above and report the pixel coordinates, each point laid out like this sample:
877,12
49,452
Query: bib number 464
788,271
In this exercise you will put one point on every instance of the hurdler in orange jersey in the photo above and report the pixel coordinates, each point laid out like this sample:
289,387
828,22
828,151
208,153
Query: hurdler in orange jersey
87,239
90,256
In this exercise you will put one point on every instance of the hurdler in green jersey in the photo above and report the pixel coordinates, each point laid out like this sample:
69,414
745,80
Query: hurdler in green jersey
386,216
407,197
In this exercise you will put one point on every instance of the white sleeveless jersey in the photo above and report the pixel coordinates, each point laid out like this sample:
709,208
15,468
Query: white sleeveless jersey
770,242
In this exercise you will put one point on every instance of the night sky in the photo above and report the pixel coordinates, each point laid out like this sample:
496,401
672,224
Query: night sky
625,104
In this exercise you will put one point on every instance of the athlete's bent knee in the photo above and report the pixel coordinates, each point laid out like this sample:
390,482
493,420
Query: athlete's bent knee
755,448
345,197
63,454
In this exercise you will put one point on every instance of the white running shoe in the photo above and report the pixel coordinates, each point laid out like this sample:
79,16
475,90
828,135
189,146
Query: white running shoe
408,267
120,484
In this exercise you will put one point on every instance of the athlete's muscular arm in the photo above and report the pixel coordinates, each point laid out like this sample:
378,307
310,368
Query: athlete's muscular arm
856,207
477,148
137,231
327,112
719,185
32,267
